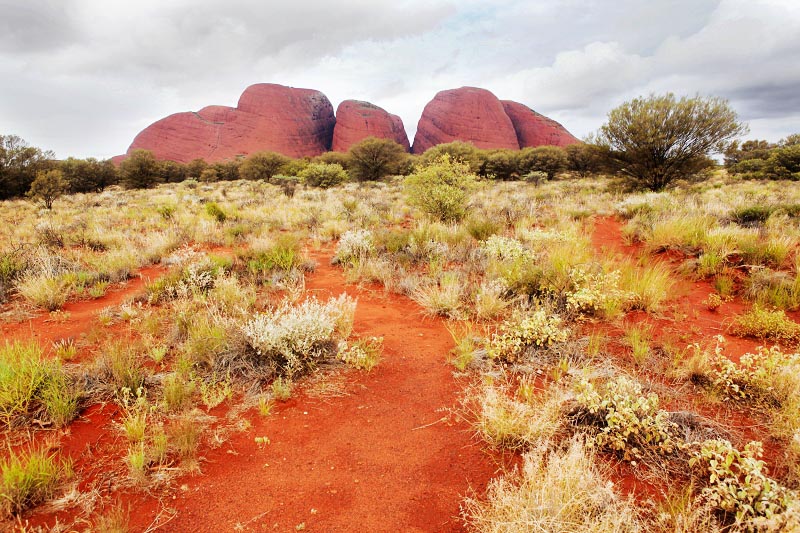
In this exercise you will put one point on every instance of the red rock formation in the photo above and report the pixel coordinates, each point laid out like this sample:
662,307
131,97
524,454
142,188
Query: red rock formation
466,114
534,129
294,122
356,120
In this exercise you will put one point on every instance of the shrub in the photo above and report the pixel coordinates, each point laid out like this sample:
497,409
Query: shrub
323,175
262,166
441,188
29,478
739,486
630,423
294,339
513,337
548,159
561,491
48,187
765,324
374,159
32,387
215,211
354,245
363,354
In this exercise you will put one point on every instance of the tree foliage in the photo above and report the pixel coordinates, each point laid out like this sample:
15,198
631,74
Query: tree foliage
323,175
441,188
262,166
658,139
88,175
458,151
140,170
19,165
373,159
548,159
48,186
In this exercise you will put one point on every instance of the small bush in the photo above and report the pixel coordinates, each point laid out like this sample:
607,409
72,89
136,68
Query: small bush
513,337
363,354
764,324
215,211
630,423
34,387
323,175
561,491
354,245
738,485
293,340
29,479
441,189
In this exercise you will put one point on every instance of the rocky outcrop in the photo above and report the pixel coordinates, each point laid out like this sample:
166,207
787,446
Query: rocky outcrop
357,120
534,129
467,114
293,122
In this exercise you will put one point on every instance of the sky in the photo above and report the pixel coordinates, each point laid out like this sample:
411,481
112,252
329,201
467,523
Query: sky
83,77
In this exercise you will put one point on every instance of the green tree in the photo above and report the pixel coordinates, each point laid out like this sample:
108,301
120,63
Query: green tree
140,170
784,163
340,158
227,170
195,167
323,175
501,165
19,165
582,159
548,159
262,166
457,150
441,188
172,172
88,175
373,159
48,186
658,139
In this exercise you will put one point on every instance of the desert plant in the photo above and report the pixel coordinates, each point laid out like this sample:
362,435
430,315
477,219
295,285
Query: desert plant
765,324
557,491
514,336
630,423
293,339
323,175
363,354
441,188
738,485
28,478
33,387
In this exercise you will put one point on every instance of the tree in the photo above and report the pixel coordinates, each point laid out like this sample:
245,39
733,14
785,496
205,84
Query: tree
784,163
441,188
373,159
262,166
19,165
658,139
323,175
548,159
457,150
140,170
48,186
581,158
501,165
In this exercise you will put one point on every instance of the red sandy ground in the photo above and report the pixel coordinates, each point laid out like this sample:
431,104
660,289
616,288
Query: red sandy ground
388,456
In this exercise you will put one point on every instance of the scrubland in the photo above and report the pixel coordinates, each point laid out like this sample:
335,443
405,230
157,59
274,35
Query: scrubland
637,352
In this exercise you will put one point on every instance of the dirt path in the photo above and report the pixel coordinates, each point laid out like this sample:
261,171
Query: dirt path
386,457
79,315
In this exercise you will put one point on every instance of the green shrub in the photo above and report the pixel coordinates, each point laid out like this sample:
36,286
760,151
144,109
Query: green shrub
630,423
215,211
765,324
738,485
752,214
441,188
323,175
32,387
513,337
29,479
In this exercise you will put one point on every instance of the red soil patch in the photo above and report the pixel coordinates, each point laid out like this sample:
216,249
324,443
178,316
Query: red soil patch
691,320
79,315
387,456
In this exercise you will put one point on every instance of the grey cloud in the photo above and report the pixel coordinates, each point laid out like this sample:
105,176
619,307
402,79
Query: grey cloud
36,25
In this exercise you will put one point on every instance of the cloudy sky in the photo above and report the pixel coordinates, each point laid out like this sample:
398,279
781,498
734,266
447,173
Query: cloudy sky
83,77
